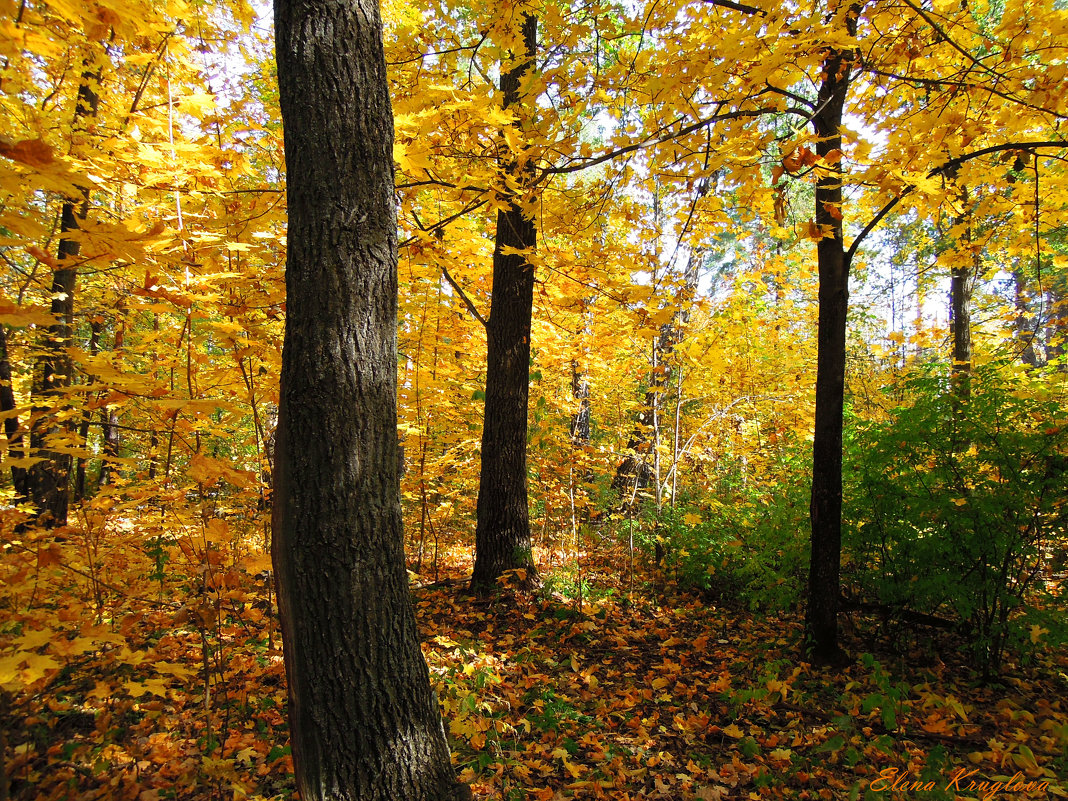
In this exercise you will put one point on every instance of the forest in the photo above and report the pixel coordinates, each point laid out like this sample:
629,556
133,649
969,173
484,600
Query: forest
546,400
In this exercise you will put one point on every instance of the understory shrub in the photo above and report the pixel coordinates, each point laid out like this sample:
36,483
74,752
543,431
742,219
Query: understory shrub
751,548
955,504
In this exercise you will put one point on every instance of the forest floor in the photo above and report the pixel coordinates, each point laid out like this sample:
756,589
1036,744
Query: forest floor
624,695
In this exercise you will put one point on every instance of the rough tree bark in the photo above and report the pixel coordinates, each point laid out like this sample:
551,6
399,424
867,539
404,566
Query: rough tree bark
502,533
825,510
363,717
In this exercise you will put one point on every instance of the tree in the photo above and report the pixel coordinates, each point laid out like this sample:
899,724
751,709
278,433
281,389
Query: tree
364,721
826,505
46,482
502,533
964,272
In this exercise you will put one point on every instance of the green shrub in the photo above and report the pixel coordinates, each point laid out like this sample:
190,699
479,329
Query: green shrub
954,505
751,549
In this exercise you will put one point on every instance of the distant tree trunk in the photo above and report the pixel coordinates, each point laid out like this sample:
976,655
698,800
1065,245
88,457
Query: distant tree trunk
11,422
109,418
153,438
1057,325
363,718
95,327
1025,331
502,533
960,324
826,506
963,274
47,482
635,472
580,391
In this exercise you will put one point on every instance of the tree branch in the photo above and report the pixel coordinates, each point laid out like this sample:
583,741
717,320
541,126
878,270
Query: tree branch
655,140
946,168
442,222
463,296
745,9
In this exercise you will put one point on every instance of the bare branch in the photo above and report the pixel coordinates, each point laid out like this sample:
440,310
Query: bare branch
737,7
463,296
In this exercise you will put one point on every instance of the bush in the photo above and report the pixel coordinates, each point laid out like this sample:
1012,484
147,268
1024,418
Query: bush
751,548
954,505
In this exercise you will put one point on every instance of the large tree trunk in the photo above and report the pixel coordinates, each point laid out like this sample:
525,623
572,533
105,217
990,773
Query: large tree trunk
826,505
502,533
363,718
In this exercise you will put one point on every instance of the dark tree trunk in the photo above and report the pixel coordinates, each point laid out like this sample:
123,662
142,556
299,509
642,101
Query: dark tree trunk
962,280
47,482
109,419
95,327
11,422
502,533
826,506
363,718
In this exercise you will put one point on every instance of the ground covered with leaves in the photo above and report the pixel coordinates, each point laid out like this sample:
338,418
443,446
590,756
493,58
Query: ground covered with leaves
607,694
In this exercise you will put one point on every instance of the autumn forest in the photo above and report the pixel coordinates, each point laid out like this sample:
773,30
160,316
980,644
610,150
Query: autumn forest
455,400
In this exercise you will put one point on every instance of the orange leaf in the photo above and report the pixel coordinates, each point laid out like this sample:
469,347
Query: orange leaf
31,152
52,555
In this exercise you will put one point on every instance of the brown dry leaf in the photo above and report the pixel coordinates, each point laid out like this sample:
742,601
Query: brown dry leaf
31,152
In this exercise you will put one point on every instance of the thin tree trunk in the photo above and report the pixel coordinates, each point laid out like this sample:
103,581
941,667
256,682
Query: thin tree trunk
960,324
109,417
365,725
826,505
963,274
1025,331
95,327
1056,327
580,391
11,421
47,481
502,533
635,471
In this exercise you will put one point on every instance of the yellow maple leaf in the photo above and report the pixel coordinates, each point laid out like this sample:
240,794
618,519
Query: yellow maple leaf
79,645
37,666
35,639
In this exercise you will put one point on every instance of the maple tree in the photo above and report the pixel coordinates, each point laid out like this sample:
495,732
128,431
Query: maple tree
363,720
502,533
